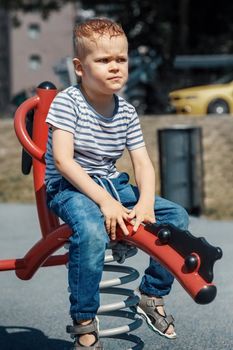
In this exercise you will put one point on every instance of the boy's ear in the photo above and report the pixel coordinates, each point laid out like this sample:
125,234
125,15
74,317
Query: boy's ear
77,67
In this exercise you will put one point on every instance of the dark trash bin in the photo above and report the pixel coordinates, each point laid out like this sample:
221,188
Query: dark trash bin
181,166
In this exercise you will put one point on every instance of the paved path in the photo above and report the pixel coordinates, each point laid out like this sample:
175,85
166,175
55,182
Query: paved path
33,314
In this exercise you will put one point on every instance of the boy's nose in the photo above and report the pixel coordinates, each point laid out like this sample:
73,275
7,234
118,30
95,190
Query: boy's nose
113,66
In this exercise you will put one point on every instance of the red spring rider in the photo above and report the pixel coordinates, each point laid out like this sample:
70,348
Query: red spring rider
188,258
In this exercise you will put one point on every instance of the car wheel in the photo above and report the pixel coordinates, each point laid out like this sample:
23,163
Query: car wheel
218,107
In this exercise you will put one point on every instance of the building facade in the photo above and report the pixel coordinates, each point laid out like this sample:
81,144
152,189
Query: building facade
37,45
5,76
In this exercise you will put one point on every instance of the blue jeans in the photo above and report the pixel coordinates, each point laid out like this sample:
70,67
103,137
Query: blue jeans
89,240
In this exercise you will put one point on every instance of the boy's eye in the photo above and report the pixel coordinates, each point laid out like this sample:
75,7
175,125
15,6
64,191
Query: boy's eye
103,60
121,60
107,60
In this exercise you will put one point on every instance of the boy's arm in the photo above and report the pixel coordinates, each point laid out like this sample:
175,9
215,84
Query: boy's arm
145,180
63,151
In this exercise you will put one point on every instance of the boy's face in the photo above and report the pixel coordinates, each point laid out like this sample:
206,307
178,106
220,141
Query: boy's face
103,66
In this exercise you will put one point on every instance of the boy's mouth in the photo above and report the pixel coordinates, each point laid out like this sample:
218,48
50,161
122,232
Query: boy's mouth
115,78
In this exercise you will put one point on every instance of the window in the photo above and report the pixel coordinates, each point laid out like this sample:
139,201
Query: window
35,62
33,30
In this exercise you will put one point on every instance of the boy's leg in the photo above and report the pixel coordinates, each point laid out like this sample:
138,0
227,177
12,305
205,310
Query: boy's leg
157,281
87,250
86,257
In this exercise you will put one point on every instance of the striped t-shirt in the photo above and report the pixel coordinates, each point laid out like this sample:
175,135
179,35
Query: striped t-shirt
98,141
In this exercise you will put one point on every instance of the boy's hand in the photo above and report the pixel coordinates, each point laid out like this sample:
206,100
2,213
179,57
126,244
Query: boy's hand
115,214
142,213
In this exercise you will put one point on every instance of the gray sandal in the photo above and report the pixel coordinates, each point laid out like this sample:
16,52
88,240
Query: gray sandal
78,329
147,308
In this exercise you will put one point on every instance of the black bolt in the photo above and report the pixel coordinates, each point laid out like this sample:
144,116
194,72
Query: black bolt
219,253
47,85
191,262
164,235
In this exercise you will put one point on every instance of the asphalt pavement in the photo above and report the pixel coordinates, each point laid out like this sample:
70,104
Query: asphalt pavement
34,313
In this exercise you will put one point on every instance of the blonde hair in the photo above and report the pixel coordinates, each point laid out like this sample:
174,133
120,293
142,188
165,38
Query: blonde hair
92,28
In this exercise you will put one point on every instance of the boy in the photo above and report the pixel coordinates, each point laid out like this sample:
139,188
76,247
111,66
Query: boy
90,126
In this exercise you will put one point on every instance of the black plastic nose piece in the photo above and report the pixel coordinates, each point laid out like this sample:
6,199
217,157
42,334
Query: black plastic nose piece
206,295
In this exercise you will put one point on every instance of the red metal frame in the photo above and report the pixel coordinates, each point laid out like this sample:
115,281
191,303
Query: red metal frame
54,234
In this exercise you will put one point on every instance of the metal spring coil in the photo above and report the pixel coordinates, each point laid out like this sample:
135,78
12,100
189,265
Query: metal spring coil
120,252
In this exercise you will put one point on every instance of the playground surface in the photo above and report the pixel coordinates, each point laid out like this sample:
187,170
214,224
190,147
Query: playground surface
34,313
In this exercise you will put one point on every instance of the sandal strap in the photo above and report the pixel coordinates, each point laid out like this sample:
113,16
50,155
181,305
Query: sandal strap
154,302
151,301
80,329
163,322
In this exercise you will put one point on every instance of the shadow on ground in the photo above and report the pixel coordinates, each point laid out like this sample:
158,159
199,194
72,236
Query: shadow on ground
26,338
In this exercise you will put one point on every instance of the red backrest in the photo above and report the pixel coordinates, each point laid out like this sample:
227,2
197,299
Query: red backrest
35,145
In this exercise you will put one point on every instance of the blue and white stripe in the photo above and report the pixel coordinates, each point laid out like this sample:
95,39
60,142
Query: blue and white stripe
98,141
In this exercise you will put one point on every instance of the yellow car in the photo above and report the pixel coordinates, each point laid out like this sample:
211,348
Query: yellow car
205,99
